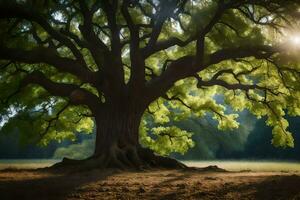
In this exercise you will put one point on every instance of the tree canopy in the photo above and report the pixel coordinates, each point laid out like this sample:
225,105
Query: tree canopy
64,61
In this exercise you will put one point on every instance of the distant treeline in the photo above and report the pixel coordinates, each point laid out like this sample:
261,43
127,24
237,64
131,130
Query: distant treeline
12,147
251,141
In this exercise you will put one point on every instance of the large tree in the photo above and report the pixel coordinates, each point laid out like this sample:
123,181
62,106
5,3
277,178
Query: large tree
67,64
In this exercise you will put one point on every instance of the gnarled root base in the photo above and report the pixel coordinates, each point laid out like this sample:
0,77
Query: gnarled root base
136,158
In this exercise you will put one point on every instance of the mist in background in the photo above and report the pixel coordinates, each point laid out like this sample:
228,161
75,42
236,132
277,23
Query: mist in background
211,143
80,150
252,140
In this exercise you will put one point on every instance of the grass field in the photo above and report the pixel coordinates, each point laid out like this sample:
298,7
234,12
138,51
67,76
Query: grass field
243,165
26,163
246,165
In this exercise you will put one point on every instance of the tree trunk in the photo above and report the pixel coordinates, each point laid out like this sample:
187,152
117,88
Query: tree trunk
117,135
117,141
117,127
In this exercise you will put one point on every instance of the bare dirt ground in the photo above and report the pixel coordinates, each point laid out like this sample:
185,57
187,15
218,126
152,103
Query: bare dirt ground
155,184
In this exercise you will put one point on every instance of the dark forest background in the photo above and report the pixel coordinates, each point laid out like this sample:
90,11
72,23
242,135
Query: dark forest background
251,141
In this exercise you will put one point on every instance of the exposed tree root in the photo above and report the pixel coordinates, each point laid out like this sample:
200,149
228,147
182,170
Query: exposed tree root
129,158
210,168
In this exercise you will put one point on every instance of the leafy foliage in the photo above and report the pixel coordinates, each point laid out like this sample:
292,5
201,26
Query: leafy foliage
61,60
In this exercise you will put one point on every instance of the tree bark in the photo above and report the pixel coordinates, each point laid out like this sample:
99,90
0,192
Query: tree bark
117,127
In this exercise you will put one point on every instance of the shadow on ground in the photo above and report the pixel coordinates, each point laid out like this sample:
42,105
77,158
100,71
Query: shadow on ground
154,184
36,185
268,188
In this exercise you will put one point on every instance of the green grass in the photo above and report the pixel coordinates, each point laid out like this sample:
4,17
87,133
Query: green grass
242,165
26,163
245,165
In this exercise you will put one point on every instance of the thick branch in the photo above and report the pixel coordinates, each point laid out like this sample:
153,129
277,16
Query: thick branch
11,9
201,36
166,10
165,44
238,86
110,10
137,62
48,56
258,51
184,67
97,48
76,94
176,70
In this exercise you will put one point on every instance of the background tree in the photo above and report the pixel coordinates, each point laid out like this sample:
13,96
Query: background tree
69,64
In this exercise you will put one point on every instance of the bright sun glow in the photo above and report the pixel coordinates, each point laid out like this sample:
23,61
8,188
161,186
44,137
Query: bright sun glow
296,40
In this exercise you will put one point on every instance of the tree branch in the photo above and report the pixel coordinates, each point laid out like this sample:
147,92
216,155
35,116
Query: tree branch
137,62
258,51
176,70
47,56
184,67
110,10
97,48
76,94
165,44
10,9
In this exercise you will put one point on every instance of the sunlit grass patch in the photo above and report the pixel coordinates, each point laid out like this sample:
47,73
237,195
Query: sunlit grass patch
26,163
246,165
